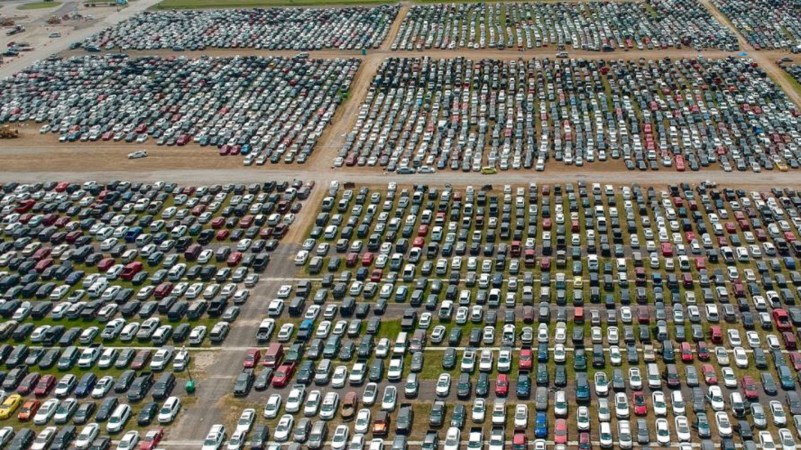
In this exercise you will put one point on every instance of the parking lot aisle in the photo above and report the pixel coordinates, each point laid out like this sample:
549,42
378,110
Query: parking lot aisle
214,385
393,31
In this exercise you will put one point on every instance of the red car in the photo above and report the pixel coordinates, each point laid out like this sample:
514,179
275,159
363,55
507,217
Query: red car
750,389
141,359
686,352
519,441
710,376
703,351
252,358
640,407
283,375
526,359
502,385
560,432
151,439
795,360
45,385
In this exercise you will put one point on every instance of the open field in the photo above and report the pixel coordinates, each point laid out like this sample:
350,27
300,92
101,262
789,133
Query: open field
38,5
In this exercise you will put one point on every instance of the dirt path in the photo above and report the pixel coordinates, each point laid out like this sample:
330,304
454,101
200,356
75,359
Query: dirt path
393,31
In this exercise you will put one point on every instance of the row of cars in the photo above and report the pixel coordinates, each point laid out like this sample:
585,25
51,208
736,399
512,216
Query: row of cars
423,115
609,26
263,28
766,25
266,109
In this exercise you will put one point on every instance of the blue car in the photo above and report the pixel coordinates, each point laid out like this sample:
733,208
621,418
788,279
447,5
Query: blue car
86,385
541,426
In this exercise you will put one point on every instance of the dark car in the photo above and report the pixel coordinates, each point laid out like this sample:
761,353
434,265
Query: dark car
463,386
264,378
164,386
64,438
243,383
106,408
449,359
437,415
140,387
86,385
147,414
84,413
258,437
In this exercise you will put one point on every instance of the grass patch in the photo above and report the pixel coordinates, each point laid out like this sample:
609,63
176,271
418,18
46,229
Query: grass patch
38,5
192,4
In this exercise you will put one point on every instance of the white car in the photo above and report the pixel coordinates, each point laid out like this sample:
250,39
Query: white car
370,393
479,410
46,412
660,405
601,383
119,418
604,412
766,440
139,154
44,438
682,428
723,423
389,398
330,405
129,441
521,417
559,353
103,386
583,418
340,439
395,371
624,434
677,403
246,419
283,428
635,378
169,410
662,431
729,377
734,337
560,404
715,397
362,423
786,439
722,356
294,399
777,411
340,377
753,339
443,386
740,358
621,406
452,439
87,435
272,407
605,435
312,403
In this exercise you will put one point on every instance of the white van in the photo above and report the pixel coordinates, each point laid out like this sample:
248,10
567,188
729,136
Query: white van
654,377
401,343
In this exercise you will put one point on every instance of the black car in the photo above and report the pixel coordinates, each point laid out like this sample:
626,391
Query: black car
482,385
437,415
22,440
259,437
305,372
106,409
459,416
101,443
124,381
64,438
243,383
84,413
449,359
263,379
140,387
560,376
463,386
147,414
164,386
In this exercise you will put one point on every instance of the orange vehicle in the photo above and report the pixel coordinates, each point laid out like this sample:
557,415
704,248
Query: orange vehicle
28,410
